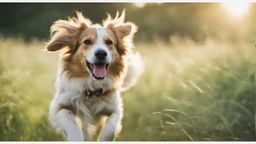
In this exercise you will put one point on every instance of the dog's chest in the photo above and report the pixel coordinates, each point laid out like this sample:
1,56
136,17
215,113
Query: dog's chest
92,106
88,96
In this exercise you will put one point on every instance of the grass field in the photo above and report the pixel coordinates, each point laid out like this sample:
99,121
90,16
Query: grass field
188,92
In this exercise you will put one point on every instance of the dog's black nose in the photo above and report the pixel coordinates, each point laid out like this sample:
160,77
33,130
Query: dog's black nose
100,54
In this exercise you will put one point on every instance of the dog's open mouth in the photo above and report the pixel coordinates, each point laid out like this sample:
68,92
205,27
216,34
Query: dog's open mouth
98,70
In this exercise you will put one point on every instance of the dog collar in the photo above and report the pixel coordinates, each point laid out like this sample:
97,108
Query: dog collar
90,94
98,93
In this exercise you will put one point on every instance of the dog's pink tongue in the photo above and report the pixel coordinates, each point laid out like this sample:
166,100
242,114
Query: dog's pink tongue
99,70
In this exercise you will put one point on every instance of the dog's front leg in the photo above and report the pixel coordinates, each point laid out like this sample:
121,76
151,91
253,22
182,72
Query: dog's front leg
108,132
66,119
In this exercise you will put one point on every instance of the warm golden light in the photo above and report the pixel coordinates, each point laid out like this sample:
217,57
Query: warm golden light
236,7
139,4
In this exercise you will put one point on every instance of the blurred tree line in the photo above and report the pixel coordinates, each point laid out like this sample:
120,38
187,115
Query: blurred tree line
196,21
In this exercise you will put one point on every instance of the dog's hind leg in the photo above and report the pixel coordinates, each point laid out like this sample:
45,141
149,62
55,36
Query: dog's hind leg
85,127
87,135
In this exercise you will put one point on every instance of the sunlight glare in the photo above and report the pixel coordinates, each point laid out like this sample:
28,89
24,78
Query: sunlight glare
237,8
139,4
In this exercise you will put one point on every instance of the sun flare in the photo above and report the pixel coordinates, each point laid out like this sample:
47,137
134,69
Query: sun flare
237,8
139,4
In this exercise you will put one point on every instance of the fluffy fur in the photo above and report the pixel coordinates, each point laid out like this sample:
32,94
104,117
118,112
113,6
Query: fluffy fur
73,114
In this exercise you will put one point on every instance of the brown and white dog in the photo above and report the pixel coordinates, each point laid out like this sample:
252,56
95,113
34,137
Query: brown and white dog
96,64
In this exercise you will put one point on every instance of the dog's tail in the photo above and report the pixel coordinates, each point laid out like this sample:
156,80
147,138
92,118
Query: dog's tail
133,71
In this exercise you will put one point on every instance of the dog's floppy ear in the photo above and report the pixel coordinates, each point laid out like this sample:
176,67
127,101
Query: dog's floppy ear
121,29
64,32
124,31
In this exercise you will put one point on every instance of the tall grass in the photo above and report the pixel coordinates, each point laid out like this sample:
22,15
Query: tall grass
188,91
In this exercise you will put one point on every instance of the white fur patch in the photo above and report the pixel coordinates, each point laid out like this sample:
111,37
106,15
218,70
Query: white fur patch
99,44
66,120
109,130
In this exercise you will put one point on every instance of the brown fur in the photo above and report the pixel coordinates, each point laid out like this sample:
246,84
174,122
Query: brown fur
70,34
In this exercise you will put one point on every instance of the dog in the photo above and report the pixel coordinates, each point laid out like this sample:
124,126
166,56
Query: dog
96,64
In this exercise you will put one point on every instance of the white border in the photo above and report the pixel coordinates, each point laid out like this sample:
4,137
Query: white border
118,142
117,1
170,142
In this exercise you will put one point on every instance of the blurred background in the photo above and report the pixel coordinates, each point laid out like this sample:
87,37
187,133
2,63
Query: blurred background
199,79
156,21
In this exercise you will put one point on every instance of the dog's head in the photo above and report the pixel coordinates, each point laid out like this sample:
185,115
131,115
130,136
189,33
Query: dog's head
92,49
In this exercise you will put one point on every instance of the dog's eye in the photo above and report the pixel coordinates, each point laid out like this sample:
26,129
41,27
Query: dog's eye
109,42
88,42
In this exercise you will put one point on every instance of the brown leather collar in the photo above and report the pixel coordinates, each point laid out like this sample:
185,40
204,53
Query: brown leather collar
98,93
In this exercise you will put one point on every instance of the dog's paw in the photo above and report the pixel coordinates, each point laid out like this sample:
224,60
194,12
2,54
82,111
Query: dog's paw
63,116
